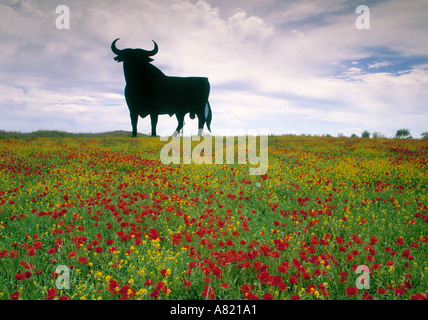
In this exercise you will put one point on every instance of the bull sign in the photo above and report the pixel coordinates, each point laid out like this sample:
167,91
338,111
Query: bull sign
149,91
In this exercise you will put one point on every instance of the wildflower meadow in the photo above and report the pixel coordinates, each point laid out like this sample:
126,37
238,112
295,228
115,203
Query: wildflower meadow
102,218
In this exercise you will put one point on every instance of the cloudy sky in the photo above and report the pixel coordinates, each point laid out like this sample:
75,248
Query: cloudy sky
287,66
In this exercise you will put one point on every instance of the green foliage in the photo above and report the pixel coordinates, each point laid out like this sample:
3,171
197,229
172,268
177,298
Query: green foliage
402,133
377,135
365,134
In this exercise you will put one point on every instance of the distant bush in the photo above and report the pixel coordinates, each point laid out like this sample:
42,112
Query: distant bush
403,133
365,134
377,135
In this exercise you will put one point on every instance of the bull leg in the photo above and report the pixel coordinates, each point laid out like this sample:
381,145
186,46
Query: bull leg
180,119
154,120
201,122
134,121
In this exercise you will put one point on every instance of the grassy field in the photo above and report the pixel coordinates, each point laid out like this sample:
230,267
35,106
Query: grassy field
101,217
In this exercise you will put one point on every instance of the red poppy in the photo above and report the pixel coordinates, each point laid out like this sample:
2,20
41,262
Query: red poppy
155,294
163,272
3,253
19,276
267,296
31,251
154,234
317,272
52,293
399,241
109,242
264,277
406,254
306,276
37,244
293,279
160,285
373,241
349,257
282,286
295,297
187,284
367,296
217,272
126,292
229,243
274,254
310,289
339,240
282,269
72,254
419,296
149,282
399,291
323,290
26,265
246,288
13,254
83,260
208,293
112,285
376,266
15,295
351,291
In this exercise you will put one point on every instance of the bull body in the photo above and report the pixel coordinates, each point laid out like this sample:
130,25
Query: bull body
149,91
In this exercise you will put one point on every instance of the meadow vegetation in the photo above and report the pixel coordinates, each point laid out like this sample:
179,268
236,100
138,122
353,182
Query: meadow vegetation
127,226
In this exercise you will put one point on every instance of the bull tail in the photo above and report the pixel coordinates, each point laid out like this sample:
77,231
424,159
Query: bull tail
208,115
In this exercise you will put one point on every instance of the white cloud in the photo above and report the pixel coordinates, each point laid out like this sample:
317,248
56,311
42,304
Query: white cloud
378,65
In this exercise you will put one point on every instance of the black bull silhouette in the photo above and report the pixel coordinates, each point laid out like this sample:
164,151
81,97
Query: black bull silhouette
149,91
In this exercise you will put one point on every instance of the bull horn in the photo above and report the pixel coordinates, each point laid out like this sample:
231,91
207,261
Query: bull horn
154,51
114,49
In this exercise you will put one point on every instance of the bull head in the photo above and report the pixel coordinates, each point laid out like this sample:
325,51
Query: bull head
133,53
